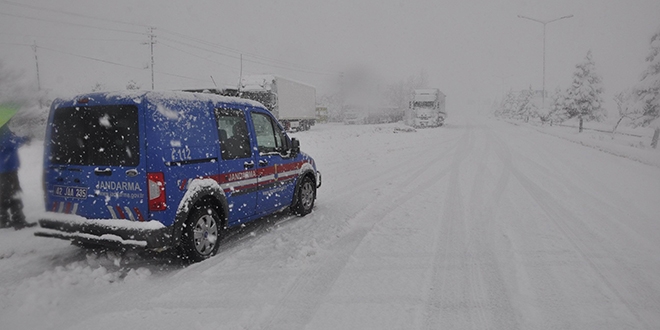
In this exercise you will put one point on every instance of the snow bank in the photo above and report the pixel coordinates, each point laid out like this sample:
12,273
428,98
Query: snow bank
626,142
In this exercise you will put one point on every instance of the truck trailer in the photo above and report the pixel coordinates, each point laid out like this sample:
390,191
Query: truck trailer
291,102
427,108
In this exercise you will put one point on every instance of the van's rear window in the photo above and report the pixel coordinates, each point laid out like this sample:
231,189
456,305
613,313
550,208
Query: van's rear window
96,136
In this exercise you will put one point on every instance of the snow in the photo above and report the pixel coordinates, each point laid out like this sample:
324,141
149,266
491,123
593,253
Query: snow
163,98
477,224
194,188
257,82
110,223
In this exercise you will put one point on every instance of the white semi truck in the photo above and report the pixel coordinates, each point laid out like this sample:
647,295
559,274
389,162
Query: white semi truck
427,108
291,102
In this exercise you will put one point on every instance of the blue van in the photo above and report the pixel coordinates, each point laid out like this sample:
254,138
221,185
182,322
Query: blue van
162,170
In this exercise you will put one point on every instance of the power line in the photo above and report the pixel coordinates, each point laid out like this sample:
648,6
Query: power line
68,38
11,3
69,23
115,63
251,57
233,53
200,48
293,69
258,59
90,58
179,76
14,44
195,55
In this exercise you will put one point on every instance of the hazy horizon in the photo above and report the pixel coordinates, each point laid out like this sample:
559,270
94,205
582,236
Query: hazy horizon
473,51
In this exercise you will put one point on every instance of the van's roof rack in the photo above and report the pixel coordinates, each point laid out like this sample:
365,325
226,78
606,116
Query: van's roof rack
223,91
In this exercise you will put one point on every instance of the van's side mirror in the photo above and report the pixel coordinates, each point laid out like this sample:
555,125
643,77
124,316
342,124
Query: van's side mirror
295,146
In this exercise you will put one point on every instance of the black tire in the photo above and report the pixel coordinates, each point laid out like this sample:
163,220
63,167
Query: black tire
200,237
305,197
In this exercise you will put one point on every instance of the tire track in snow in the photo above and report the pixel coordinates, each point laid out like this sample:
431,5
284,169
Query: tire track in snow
386,185
372,175
567,222
441,297
537,279
496,310
467,287
612,210
371,180
304,296
445,302
556,212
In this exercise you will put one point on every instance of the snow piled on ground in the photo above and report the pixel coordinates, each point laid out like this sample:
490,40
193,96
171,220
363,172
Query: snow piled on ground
627,142
262,275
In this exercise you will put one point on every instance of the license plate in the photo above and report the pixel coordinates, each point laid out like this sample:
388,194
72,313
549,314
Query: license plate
70,192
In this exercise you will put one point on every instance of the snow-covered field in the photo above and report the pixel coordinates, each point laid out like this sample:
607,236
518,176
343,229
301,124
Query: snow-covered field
480,224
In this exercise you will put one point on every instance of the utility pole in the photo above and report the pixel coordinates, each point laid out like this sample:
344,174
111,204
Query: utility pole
544,24
151,42
36,61
240,75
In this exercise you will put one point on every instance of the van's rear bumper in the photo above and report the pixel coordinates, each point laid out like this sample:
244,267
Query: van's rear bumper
95,232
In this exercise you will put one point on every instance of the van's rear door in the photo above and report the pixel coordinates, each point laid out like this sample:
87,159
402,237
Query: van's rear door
94,166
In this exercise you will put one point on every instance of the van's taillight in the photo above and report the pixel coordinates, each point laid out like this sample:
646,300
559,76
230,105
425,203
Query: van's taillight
156,184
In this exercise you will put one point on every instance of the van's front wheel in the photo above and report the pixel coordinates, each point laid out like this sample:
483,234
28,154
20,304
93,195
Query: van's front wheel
200,236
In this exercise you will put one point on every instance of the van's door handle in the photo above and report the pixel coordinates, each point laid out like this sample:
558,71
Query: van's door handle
249,164
103,172
131,173
263,162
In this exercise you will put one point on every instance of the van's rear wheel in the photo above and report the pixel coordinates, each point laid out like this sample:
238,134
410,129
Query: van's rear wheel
201,233
306,196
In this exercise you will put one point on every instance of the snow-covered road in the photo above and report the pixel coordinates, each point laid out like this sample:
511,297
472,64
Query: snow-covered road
476,225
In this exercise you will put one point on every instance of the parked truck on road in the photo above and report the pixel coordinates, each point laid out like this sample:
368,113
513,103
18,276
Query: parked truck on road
427,108
291,102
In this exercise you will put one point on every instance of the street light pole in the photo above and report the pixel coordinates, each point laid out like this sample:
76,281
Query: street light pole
546,22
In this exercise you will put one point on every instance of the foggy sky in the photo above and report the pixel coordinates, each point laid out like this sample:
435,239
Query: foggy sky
472,50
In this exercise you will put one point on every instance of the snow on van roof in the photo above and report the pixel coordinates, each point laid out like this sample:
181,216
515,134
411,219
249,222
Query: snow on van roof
163,99
156,96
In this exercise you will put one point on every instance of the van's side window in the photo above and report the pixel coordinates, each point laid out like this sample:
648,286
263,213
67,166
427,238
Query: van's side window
269,135
233,133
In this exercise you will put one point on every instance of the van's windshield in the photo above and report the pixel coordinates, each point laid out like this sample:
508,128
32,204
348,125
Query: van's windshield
95,136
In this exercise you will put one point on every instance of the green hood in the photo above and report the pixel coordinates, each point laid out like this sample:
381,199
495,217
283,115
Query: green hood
6,112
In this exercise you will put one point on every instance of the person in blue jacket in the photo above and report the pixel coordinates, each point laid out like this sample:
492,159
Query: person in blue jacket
11,205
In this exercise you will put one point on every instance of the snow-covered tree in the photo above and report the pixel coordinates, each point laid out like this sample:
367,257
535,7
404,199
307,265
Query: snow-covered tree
526,107
626,107
399,94
16,90
558,109
132,85
585,94
32,104
11,90
507,106
517,105
334,103
647,90
98,87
